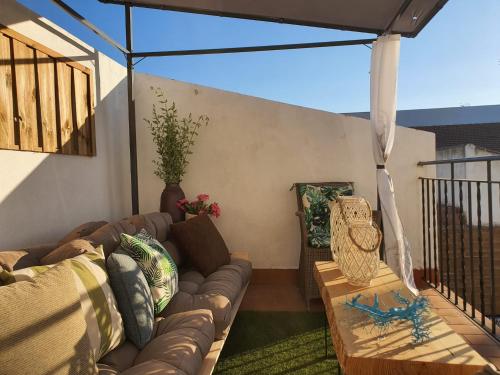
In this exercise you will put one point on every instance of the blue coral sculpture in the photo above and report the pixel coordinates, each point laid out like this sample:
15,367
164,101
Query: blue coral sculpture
413,311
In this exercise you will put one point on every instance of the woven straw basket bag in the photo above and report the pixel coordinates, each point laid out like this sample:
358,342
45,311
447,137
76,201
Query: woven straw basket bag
355,239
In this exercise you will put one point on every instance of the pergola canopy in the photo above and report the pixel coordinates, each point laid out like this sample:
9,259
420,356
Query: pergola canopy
405,17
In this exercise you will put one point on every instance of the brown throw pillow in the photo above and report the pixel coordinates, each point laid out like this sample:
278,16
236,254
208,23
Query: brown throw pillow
202,243
43,329
66,251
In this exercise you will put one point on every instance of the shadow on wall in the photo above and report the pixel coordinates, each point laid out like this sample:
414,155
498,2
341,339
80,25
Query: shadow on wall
42,195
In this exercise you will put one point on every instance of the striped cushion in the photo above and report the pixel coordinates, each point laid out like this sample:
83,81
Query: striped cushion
104,322
156,264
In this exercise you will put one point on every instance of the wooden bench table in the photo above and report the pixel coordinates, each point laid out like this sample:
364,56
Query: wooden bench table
358,345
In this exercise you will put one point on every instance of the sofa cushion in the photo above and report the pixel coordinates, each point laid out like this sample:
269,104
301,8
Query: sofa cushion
244,266
158,267
104,323
11,260
200,240
181,340
133,295
153,367
43,328
68,250
218,292
156,223
121,358
219,305
82,231
106,370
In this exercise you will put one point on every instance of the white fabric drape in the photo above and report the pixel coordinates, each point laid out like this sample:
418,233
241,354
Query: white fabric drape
383,96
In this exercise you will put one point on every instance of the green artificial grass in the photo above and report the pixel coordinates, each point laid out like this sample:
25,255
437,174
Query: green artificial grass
274,343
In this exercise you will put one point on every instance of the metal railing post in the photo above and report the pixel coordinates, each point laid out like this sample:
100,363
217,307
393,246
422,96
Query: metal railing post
492,247
454,229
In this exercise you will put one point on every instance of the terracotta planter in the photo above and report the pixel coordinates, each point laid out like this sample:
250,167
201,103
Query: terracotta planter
168,202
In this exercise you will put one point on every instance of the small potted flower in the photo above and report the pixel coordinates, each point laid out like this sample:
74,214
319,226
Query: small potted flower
200,206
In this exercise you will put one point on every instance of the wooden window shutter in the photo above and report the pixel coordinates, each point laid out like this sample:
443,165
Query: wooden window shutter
46,99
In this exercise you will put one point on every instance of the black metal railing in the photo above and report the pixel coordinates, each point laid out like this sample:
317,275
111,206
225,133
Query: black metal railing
460,256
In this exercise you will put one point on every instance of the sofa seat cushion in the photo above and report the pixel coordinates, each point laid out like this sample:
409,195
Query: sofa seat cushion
153,367
106,370
217,292
120,358
244,266
181,340
226,282
219,305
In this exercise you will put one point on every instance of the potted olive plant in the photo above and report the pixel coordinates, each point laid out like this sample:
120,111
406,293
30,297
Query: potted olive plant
173,136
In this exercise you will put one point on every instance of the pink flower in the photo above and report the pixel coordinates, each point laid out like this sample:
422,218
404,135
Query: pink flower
203,197
214,209
181,203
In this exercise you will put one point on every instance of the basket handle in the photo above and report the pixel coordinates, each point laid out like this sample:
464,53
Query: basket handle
365,249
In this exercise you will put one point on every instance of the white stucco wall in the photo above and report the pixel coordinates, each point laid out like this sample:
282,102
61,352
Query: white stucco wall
42,196
254,150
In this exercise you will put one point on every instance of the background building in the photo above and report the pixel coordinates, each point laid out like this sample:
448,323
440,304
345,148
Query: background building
461,132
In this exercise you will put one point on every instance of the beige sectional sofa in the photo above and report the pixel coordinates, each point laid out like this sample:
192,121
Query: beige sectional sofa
190,333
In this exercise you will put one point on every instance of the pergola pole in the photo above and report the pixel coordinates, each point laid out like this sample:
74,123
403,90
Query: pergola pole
73,13
131,113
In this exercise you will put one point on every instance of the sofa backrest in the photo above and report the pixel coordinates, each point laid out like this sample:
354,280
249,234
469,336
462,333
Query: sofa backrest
156,223
108,235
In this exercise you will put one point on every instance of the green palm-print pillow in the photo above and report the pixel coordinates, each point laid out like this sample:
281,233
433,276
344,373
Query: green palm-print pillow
156,264
316,201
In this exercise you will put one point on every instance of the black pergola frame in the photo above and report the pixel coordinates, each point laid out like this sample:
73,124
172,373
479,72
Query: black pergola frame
130,55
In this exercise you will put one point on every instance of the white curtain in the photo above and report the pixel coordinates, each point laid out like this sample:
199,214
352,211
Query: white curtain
383,97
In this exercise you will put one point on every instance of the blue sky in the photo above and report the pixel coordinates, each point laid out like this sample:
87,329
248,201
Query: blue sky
454,61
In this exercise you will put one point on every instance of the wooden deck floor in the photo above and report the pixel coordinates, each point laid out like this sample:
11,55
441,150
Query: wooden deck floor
277,290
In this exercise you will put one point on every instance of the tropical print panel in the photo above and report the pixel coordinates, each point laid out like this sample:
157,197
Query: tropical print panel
317,201
156,264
